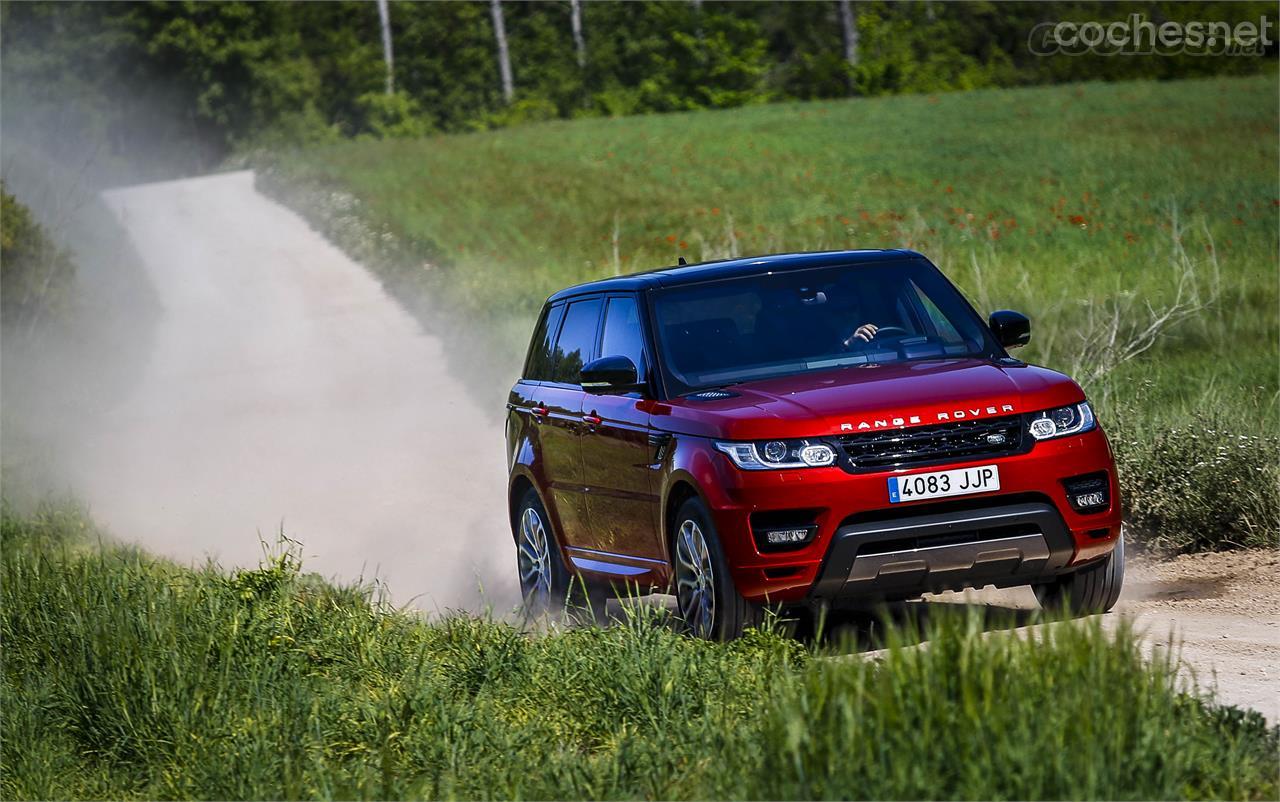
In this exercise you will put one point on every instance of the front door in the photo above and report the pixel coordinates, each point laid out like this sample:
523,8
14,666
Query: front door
622,504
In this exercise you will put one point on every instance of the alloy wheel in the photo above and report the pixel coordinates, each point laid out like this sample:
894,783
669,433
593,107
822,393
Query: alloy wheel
534,559
695,580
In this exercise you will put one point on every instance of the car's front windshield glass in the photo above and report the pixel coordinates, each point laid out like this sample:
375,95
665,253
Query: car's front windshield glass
788,322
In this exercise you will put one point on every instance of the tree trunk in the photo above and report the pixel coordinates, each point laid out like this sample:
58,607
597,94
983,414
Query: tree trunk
849,29
579,43
384,14
504,58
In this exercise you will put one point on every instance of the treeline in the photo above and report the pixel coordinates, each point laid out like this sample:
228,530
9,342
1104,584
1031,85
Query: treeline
195,80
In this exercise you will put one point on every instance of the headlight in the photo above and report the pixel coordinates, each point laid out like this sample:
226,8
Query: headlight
770,454
1062,421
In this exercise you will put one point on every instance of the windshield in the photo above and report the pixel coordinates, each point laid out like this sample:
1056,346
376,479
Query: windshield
789,322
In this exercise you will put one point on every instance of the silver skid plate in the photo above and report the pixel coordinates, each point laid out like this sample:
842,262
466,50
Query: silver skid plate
1022,551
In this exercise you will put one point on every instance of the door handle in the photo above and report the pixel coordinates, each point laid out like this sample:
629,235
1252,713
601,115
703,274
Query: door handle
538,412
592,420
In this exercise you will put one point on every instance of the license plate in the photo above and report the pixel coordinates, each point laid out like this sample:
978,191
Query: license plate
937,484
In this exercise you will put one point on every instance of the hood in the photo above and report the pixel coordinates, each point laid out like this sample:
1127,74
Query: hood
869,398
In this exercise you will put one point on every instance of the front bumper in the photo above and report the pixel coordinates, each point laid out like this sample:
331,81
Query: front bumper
1001,545
857,526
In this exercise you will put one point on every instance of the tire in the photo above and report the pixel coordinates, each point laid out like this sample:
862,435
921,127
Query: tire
710,605
546,585
1089,591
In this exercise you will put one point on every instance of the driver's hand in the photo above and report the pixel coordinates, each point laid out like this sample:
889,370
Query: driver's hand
866,332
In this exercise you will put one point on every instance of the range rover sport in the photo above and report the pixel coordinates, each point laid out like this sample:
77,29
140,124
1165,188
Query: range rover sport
801,431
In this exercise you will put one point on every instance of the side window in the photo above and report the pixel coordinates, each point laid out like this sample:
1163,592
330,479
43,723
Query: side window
946,331
576,345
622,333
541,350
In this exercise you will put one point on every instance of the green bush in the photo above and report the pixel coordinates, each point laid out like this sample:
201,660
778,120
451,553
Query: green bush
36,274
1199,485
397,115
126,676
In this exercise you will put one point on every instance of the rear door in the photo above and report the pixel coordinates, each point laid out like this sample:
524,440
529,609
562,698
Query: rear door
527,412
622,506
559,414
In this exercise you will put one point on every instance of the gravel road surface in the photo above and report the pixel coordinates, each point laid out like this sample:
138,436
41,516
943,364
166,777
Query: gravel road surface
1223,608
287,390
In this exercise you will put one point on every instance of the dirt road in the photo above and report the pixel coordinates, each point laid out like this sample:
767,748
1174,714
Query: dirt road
285,388
1223,608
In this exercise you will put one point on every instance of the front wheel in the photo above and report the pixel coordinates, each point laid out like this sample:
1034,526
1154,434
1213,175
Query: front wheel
1091,590
710,605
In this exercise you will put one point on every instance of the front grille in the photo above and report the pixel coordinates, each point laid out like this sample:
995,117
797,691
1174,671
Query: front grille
922,445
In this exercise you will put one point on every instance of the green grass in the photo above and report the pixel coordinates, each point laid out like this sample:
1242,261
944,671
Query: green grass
1095,208
126,676
1049,200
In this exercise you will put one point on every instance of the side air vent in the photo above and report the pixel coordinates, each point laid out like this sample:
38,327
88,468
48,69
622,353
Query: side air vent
713,395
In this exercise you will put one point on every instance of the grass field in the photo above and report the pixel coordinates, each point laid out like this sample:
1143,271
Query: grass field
126,677
1137,224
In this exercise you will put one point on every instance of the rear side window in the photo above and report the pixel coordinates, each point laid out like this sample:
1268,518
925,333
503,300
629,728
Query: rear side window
542,350
622,333
576,345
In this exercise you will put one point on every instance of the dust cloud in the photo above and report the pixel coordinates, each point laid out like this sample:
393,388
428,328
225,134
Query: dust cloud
232,376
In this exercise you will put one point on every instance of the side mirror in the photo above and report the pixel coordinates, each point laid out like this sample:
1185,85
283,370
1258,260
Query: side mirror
1012,329
610,374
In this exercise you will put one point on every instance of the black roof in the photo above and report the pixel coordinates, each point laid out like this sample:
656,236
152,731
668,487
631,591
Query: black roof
733,268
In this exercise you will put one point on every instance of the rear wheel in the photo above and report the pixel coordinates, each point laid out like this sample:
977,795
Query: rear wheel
542,573
545,581
1091,590
710,605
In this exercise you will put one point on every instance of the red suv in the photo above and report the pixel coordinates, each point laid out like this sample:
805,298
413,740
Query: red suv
801,431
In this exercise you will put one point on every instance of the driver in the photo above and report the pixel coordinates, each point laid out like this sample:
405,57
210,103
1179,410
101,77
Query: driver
866,332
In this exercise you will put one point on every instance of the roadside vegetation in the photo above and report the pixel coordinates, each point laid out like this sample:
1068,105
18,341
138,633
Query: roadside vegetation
126,676
1136,223
36,274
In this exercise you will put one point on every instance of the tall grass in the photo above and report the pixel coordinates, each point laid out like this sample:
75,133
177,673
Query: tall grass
1136,223
129,677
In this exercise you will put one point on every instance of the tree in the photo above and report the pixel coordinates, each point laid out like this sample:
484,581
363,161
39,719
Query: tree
849,30
384,16
504,57
579,43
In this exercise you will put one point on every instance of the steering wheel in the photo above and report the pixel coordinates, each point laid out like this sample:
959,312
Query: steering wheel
898,330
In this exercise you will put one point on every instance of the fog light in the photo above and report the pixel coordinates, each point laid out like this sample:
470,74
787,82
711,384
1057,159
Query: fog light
1089,493
787,537
784,530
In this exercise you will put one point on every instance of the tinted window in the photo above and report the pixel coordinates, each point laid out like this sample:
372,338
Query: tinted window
576,345
541,353
789,322
622,333
942,325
